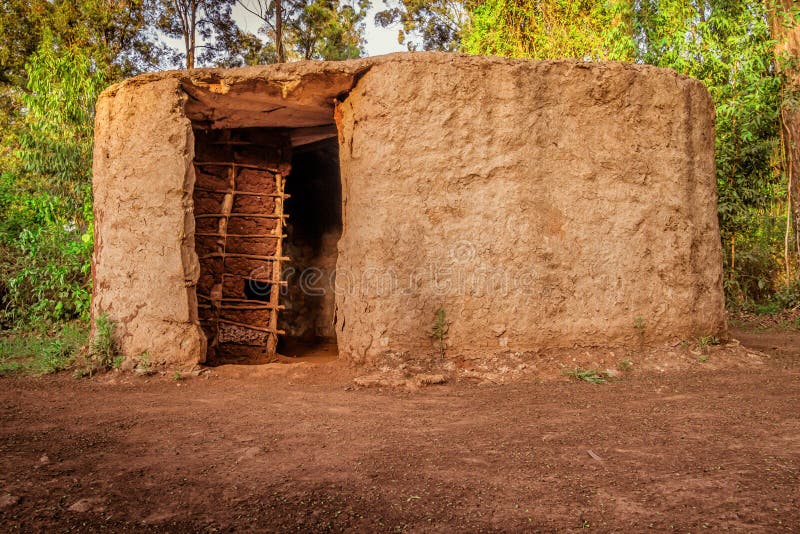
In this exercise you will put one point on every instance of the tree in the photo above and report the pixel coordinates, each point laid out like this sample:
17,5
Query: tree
309,29
784,15
439,23
271,15
20,34
210,20
329,29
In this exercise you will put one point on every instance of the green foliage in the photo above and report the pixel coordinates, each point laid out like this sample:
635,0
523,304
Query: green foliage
46,194
706,341
328,29
586,29
56,141
592,376
40,353
788,297
143,364
752,258
20,32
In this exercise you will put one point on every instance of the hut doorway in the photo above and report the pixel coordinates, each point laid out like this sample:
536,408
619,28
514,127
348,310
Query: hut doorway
267,221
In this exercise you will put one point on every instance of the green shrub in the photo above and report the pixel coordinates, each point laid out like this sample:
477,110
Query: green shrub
45,190
104,350
788,297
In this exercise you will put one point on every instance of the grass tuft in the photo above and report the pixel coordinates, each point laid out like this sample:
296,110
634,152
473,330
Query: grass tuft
593,376
40,354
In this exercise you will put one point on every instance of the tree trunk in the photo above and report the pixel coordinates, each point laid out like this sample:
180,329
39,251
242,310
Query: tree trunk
192,35
788,44
279,31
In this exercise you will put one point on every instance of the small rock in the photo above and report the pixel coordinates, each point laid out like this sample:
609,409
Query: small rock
93,504
498,329
44,460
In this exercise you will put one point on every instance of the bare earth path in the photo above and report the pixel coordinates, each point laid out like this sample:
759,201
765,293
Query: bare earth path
298,452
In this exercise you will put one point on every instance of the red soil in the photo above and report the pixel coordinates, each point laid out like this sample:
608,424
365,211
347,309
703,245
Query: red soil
298,449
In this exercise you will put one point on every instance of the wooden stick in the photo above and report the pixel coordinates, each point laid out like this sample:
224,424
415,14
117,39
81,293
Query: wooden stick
225,191
251,301
251,327
222,229
234,164
211,234
271,281
248,215
274,295
266,306
224,255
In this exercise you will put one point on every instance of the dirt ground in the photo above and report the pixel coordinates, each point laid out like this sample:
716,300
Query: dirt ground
300,449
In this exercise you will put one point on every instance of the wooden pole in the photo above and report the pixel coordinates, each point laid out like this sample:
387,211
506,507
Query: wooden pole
277,268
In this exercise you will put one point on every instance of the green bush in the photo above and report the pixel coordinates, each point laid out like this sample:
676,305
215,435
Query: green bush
788,297
46,229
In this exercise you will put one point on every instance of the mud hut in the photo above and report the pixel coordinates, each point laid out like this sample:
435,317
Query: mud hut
538,204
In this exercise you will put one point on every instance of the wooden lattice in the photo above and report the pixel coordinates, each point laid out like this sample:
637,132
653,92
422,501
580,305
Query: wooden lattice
215,302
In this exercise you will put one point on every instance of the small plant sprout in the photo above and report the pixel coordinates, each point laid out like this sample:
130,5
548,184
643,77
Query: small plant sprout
593,376
103,350
625,365
143,363
440,330
178,376
706,341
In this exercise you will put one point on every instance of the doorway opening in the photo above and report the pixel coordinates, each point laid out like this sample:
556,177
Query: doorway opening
313,232
267,207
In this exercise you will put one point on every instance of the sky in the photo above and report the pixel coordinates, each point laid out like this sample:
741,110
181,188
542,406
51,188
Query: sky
379,40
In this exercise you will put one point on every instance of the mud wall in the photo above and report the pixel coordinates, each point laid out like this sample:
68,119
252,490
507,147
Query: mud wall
540,204
144,266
